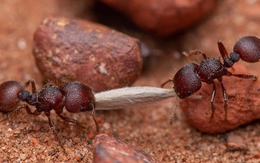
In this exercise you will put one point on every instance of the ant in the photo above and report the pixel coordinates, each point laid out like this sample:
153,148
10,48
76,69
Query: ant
74,96
188,79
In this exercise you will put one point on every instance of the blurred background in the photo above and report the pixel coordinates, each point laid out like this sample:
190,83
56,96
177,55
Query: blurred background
199,26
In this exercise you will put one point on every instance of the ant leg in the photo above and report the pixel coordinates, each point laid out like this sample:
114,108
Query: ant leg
174,110
70,120
212,107
225,97
77,123
244,76
28,110
18,109
94,119
163,84
32,81
54,131
196,52
222,50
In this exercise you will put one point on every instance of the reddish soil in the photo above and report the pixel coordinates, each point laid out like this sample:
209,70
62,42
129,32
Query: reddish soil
28,139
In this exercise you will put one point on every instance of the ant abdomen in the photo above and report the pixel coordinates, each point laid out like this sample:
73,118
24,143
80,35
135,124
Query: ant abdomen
186,80
248,48
78,97
9,95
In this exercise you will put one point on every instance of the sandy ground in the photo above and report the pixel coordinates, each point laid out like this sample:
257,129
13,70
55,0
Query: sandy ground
26,138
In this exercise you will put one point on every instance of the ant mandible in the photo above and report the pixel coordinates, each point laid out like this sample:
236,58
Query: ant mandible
188,79
74,96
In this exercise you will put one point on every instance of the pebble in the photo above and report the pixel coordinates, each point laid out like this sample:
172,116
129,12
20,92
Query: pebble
235,142
23,156
164,17
68,49
108,149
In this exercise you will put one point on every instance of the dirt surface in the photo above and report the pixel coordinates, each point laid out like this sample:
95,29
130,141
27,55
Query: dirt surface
28,139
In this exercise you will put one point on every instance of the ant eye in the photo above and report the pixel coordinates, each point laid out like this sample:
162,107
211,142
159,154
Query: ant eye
189,93
82,108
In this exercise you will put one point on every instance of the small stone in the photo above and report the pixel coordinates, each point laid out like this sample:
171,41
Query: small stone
107,125
9,130
37,128
109,150
214,154
23,156
91,134
235,142
61,158
21,43
235,154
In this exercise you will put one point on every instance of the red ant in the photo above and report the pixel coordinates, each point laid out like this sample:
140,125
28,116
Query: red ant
74,96
188,79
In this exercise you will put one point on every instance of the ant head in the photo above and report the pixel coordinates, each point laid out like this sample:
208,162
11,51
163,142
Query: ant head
186,80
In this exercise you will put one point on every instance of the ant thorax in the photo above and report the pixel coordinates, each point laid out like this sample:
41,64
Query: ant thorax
211,69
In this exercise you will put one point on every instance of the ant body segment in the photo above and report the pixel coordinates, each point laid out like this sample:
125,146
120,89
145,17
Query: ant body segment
74,96
189,78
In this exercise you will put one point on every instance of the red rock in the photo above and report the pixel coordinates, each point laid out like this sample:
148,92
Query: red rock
68,50
244,106
164,17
